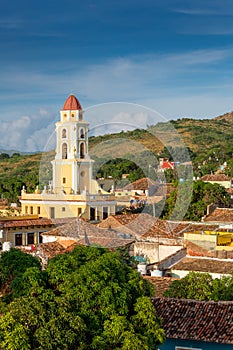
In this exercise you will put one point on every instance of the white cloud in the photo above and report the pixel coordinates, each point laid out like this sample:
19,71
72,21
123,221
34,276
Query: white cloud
25,133
139,76
206,8
42,139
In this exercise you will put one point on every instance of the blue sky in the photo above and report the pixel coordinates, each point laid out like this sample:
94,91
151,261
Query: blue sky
173,56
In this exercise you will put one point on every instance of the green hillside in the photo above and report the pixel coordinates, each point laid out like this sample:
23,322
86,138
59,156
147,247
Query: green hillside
209,142
199,135
18,170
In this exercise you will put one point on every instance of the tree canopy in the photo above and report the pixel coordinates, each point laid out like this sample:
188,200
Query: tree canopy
203,194
13,265
202,286
87,299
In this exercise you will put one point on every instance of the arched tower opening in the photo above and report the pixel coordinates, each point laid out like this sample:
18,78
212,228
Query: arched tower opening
82,150
64,150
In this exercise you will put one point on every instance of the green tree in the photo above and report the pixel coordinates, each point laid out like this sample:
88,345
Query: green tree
88,299
194,285
223,288
201,286
15,155
136,175
4,156
203,194
13,265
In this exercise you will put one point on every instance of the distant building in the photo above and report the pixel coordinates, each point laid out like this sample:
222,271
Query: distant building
73,191
220,179
165,164
25,230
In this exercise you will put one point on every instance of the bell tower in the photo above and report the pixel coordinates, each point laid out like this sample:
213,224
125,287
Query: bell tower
72,166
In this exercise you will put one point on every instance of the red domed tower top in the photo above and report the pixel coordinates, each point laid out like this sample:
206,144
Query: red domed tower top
72,104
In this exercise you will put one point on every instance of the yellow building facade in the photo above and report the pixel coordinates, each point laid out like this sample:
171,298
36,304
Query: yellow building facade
73,192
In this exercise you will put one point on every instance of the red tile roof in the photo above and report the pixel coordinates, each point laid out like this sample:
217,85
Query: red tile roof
167,165
220,215
89,234
215,177
52,249
33,222
161,284
72,103
196,320
169,229
146,226
174,229
141,184
136,224
204,265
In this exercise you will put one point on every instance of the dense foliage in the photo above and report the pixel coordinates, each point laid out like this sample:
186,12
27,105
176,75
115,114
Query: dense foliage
87,299
203,194
115,168
29,171
202,286
13,266
18,171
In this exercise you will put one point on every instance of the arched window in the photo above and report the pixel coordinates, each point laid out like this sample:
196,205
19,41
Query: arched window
63,133
82,150
64,151
82,133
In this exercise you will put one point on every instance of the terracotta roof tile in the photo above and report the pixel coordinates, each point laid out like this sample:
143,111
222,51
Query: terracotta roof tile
220,215
154,188
145,226
196,320
215,177
136,224
88,234
52,249
174,229
163,228
141,184
34,222
161,284
201,264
